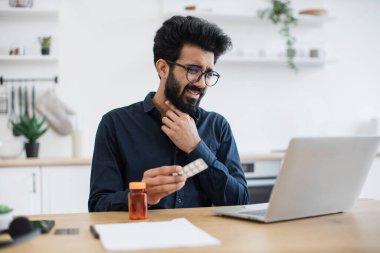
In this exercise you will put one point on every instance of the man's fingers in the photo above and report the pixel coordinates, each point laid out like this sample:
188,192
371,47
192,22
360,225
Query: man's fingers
172,115
167,131
165,189
163,180
169,123
164,170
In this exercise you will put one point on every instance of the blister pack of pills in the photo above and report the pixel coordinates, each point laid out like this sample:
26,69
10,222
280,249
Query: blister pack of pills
193,168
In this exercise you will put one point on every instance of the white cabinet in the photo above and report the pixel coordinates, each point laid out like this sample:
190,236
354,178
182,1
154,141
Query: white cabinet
45,189
65,189
20,188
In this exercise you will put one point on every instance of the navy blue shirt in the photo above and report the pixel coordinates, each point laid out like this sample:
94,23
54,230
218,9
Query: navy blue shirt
130,141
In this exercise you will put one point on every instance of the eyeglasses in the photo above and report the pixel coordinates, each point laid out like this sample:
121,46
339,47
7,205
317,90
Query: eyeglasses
195,73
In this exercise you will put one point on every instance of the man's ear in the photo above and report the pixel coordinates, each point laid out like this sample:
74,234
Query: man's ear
162,68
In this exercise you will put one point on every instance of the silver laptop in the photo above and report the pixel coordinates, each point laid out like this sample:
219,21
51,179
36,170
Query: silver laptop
318,176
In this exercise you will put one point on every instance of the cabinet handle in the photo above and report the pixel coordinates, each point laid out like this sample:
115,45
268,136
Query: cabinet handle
34,183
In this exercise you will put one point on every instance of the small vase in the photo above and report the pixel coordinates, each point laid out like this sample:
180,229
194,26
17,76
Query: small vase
45,51
5,220
31,149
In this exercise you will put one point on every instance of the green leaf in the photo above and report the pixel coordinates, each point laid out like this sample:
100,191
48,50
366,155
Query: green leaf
5,209
281,13
32,128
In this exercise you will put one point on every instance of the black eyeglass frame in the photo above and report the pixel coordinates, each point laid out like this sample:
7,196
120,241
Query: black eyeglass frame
200,76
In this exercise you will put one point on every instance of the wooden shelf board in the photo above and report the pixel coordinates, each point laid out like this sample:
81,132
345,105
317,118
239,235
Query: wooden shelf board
23,58
28,12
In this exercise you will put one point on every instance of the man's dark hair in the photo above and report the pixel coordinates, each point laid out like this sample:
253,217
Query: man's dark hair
178,30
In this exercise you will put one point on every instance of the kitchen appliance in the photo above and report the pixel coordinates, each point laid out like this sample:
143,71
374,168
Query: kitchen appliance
12,116
3,101
261,176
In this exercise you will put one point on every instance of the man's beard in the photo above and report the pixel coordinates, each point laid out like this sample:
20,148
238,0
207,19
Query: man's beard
179,100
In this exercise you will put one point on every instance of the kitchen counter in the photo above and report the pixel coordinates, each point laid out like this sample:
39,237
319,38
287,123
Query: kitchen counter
270,156
22,162
261,157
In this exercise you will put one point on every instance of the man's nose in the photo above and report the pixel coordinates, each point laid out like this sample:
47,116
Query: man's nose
201,83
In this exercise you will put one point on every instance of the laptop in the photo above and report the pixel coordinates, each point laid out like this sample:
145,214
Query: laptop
318,176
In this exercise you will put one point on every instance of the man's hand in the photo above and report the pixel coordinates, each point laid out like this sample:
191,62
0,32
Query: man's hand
180,128
160,182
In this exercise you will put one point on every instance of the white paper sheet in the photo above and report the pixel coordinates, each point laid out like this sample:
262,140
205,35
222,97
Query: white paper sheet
153,235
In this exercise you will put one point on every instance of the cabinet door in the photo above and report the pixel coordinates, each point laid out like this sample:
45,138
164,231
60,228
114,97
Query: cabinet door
20,189
65,189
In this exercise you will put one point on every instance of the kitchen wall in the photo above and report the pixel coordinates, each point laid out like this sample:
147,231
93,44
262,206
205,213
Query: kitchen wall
106,61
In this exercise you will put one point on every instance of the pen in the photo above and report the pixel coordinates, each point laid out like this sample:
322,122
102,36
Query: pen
93,232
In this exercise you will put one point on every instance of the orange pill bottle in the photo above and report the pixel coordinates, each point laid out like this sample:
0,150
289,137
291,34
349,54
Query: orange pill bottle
137,201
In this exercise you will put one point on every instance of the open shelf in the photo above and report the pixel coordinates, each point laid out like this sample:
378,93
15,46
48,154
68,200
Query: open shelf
314,20
274,60
28,58
247,17
28,12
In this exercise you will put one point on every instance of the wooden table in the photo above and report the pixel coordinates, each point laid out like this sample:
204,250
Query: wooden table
354,231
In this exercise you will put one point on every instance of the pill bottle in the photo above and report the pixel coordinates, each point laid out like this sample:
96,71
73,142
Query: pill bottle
137,201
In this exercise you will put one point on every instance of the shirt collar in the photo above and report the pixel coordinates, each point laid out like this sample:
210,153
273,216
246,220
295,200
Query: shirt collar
149,105
148,102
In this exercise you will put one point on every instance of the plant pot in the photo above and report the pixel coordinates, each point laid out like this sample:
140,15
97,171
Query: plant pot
31,149
45,51
5,220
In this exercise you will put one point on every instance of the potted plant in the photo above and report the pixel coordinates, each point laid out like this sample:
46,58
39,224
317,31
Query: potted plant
45,43
32,128
5,217
281,13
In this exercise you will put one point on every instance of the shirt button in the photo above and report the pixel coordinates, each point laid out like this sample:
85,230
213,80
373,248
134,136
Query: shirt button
179,200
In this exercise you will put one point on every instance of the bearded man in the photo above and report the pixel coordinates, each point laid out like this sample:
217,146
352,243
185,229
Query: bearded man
151,140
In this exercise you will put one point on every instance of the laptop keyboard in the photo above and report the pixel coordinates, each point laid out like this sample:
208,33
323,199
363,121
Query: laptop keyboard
260,213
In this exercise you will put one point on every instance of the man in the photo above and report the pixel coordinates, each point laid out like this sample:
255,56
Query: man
152,139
